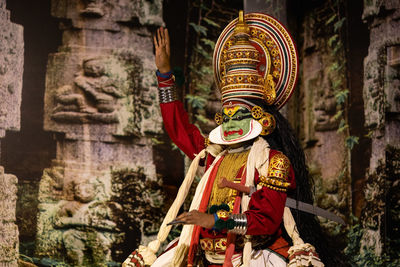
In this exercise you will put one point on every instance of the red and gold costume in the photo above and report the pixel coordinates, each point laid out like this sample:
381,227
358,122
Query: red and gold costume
264,215
245,182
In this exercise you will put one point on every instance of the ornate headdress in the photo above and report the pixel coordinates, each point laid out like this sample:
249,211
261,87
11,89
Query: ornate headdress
255,59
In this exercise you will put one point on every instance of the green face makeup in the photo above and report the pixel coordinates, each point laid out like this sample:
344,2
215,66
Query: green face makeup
236,123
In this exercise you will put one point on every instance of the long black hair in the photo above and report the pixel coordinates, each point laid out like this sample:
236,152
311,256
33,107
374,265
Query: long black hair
284,140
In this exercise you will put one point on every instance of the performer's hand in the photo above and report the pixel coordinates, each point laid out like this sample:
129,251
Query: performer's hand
196,217
161,44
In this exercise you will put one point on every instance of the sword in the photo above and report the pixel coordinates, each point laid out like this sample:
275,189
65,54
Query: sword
290,202
300,205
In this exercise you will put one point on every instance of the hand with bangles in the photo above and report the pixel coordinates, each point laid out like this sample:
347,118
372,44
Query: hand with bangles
196,217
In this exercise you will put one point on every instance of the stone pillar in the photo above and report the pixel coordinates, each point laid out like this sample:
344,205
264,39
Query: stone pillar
11,69
382,114
101,196
327,155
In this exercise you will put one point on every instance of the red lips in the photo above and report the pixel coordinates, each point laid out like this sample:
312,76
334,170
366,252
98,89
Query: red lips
226,133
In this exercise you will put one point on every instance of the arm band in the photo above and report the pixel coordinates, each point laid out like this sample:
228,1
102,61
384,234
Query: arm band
166,94
240,220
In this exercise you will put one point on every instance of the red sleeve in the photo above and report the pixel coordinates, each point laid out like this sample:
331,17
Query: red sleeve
266,206
176,122
185,135
265,212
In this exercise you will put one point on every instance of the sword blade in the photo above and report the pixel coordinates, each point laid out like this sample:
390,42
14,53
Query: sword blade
299,205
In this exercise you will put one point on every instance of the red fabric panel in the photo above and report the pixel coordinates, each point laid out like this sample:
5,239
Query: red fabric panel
185,135
209,161
280,246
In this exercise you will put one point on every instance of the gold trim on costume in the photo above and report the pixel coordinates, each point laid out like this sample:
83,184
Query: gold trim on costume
217,245
278,172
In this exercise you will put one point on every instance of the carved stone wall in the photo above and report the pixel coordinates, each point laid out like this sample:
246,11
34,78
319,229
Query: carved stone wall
11,68
382,113
314,107
8,228
101,196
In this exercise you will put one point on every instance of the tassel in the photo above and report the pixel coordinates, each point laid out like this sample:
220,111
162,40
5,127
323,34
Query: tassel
149,252
134,260
303,255
300,254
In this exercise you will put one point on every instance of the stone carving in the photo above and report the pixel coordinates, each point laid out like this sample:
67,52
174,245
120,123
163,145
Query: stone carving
96,100
392,85
51,185
319,125
95,82
100,100
142,202
8,230
325,110
108,14
11,69
101,212
93,8
381,109
88,223
112,91
82,220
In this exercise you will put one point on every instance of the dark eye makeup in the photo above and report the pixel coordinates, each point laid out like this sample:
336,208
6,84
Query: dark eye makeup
236,118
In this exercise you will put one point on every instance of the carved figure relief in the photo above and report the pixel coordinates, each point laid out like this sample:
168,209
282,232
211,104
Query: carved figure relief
51,185
324,103
94,95
106,14
325,109
88,223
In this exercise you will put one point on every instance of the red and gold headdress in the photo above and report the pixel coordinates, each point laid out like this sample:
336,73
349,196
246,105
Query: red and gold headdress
255,58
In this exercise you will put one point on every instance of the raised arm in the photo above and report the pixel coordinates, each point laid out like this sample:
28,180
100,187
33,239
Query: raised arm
163,50
176,122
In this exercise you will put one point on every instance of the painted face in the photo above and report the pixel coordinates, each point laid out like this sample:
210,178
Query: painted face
236,122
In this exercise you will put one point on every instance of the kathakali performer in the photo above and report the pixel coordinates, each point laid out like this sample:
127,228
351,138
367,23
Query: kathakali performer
238,215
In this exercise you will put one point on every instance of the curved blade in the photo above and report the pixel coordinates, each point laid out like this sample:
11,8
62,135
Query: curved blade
299,205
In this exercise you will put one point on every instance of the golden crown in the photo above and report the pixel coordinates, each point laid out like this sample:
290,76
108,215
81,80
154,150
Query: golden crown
241,78
255,58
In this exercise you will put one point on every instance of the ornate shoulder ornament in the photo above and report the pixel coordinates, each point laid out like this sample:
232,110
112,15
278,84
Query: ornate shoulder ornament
278,172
